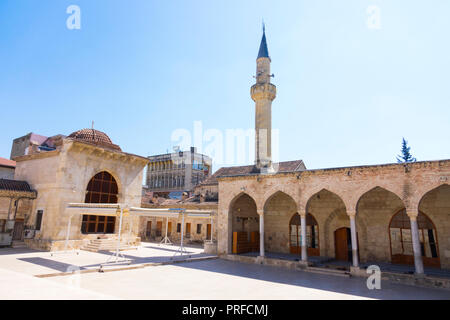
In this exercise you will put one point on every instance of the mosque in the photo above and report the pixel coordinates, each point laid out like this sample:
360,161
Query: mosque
388,213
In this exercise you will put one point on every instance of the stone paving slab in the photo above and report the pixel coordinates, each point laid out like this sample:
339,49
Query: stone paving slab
33,262
231,280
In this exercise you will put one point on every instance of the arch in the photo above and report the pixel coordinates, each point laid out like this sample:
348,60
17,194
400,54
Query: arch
317,194
436,205
102,188
278,211
312,235
375,188
287,191
444,187
330,211
375,208
401,243
243,224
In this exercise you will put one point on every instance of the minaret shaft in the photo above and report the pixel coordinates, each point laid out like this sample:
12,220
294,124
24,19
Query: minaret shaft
263,93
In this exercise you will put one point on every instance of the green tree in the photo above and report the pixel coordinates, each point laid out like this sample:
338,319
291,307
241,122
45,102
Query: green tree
406,154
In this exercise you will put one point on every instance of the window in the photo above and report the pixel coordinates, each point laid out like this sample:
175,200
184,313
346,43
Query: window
199,228
97,224
102,188
2,225
401,239
178,227
39,219
312,234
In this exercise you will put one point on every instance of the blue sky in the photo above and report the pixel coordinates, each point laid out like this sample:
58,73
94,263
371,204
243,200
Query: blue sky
141,69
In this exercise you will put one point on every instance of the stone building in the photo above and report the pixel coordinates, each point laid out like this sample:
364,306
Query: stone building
177,172
85,167
7,168
391,213
16,199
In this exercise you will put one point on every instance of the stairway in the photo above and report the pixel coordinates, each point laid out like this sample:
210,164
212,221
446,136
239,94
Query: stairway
18,244
107,244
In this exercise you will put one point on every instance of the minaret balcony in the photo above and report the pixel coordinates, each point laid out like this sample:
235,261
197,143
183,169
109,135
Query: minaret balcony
262,91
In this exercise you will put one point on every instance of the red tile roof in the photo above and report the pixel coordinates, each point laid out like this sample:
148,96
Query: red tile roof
7,163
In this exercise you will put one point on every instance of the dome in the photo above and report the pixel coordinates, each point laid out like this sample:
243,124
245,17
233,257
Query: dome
95,137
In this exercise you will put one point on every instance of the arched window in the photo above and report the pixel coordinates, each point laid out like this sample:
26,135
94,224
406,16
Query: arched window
401,240
102,188
312,235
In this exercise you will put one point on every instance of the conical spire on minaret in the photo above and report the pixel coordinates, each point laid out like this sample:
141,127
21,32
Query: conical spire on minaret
263,51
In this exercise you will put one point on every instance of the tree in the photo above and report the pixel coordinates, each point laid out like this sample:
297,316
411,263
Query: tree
406,155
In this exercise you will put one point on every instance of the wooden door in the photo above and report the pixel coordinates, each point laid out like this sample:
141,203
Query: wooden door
341,241
208,231
158,228
18,230
169,228
188,230
148,231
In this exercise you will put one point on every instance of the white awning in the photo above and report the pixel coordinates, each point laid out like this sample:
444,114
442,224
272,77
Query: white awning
99,209
106,209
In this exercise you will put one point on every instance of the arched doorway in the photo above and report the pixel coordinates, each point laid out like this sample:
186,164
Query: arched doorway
401,240
374,211
312,235
102,188
244,225
278,211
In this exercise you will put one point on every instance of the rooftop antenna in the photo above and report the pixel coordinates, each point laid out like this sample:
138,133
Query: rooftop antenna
92,124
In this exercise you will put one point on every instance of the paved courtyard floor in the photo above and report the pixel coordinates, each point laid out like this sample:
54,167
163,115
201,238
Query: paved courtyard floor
206,279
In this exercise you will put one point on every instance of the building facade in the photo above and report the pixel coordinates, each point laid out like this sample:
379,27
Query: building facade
177,172
7,168
85,167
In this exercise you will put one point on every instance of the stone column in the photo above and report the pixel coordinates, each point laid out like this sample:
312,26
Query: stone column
261,233
303,233
418,262
354,239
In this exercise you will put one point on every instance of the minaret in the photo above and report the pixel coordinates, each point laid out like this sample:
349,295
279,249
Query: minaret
263,93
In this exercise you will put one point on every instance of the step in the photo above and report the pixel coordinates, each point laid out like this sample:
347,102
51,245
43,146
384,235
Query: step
18,244
333,272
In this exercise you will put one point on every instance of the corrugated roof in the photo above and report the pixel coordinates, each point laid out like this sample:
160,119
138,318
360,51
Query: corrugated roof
15,185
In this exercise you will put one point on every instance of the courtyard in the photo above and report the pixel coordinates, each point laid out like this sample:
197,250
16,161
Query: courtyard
152,274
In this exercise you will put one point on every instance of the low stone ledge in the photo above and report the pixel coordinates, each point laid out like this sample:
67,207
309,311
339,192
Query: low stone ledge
210,247
417,280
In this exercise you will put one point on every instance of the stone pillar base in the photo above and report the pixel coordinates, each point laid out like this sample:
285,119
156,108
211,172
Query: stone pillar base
259,259
419,275
303,264
358,272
